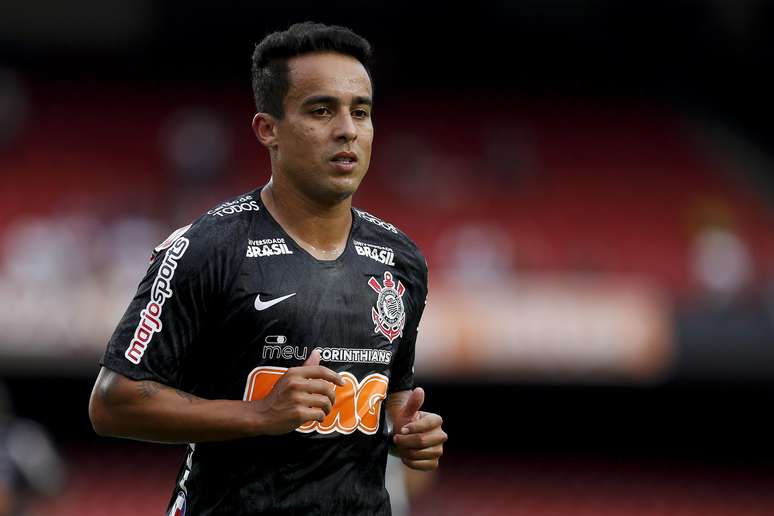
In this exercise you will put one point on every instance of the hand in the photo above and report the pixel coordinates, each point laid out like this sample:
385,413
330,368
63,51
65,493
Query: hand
302,394
418,435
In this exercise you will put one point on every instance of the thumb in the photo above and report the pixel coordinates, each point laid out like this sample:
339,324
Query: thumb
313,359
412,405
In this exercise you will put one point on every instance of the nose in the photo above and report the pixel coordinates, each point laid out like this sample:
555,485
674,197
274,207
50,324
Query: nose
345,129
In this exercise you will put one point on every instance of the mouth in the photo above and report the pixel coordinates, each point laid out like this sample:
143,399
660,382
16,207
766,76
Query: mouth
344,161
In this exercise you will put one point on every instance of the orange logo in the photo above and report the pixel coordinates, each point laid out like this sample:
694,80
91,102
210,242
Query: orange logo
358,404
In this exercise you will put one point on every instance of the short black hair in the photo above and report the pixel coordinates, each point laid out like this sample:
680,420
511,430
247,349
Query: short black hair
270,71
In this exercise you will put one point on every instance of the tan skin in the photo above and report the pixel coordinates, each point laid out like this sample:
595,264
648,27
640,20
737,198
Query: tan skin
327,112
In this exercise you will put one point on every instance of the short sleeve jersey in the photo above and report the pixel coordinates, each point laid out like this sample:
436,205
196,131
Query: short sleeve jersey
228,304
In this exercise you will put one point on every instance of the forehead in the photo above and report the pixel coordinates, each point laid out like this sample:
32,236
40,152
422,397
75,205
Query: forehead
327,73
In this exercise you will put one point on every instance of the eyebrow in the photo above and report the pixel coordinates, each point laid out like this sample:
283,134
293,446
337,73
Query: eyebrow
329,99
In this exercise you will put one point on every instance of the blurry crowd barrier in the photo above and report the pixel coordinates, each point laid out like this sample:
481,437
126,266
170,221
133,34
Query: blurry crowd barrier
565,241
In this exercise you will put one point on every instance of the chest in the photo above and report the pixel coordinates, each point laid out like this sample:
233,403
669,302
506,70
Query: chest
353,309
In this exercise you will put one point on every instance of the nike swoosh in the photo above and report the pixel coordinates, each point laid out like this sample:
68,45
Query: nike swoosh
263,305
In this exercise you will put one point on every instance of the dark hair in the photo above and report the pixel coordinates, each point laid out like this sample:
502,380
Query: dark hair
270,60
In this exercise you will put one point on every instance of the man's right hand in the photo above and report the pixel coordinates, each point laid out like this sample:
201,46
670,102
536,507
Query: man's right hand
150,411
302,394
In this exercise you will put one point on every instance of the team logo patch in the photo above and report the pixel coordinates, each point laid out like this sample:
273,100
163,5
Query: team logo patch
178,509
389,315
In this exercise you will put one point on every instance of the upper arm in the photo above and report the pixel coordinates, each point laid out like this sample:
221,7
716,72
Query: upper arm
174,302
402,375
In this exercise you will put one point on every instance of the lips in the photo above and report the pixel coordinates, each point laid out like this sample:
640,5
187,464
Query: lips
345,158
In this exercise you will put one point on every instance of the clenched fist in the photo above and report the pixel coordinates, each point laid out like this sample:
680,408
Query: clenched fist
302,394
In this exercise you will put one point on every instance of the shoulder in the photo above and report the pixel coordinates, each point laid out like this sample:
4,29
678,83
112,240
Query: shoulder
389,235
230,217
238,207
217,232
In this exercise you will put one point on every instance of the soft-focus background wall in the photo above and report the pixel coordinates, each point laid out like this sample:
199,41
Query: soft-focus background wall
591,181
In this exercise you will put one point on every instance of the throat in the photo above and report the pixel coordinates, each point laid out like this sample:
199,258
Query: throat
323,233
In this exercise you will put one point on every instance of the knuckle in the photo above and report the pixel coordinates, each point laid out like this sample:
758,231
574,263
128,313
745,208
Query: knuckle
294,383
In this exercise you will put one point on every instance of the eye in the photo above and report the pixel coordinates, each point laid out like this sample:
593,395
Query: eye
360,113
321,111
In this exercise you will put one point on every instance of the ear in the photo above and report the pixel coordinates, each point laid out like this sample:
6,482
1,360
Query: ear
265,129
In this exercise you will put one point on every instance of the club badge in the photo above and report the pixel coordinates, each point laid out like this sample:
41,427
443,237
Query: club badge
389,315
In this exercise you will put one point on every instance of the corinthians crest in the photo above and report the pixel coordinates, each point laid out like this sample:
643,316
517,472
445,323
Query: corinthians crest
389,315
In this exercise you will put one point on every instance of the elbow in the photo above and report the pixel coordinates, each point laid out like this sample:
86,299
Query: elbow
98,415
105,403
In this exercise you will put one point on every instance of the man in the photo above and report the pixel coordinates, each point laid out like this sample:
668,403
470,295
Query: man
272,330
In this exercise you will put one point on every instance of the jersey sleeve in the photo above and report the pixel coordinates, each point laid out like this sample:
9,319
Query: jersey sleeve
402,376
184,283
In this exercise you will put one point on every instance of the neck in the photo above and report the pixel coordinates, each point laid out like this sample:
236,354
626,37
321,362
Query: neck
321,229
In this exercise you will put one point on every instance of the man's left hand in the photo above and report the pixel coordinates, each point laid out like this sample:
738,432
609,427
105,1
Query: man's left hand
418,435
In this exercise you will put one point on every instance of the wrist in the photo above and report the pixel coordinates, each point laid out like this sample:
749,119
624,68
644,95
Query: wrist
254,423
392,448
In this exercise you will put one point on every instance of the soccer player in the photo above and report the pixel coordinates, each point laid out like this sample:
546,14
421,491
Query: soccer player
276,332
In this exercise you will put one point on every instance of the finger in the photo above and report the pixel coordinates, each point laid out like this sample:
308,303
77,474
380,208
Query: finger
412,405
309,414
425,423
317,371
321,387
433,452
420,441
318,401
313,359
422,465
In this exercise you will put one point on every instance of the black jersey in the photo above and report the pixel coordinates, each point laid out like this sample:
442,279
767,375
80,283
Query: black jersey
228,304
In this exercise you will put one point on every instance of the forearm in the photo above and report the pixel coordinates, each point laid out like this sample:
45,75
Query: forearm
150,411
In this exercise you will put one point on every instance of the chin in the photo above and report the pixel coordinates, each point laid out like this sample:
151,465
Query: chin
341,193
344,186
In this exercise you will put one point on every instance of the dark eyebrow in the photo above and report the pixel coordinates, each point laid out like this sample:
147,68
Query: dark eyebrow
364,100
320,99
328,99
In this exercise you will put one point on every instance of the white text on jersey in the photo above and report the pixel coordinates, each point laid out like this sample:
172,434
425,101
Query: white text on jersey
150,318
267,247
237,206
379,253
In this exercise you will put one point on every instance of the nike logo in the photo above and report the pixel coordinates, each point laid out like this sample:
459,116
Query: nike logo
263,305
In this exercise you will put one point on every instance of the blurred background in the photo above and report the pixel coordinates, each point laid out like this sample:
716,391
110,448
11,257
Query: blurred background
591,181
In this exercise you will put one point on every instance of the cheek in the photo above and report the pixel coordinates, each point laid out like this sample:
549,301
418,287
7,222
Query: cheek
366,137
301,143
